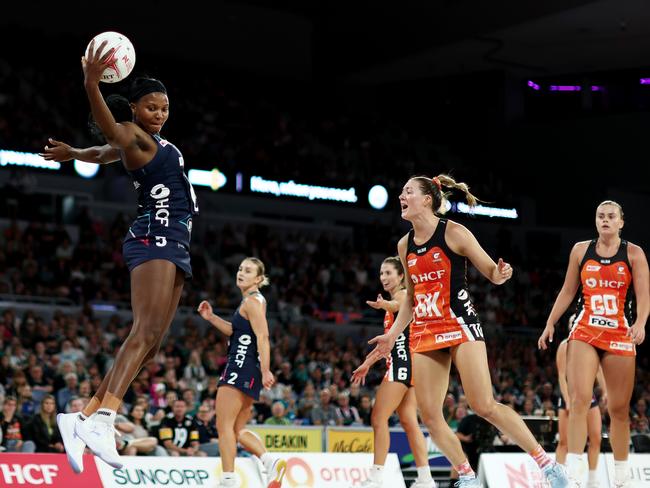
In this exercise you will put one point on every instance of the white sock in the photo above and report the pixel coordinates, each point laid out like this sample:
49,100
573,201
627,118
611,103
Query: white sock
228,475
105,415
377,472
621,472
574,464
266,459
424,473
593,475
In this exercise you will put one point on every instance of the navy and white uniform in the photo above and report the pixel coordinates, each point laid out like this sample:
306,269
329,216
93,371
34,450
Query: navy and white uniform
243,369
166,205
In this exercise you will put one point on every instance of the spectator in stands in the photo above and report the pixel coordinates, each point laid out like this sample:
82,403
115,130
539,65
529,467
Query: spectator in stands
14,432
194,373
42,427
347,413
325,413
277,418
262,408
528,408
179,432
190,401
365,409
41,385
76,404
211,390
307,401
70,390
135,438
208,435
26,404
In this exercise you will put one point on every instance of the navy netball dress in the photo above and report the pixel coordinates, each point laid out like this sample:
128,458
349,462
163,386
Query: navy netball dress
166,204
243,369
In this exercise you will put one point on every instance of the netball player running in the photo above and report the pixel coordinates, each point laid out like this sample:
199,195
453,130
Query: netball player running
445,326
594,420
156,248
395,392
247,371
604,269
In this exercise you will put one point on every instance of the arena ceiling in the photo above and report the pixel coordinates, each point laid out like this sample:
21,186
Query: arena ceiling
362,40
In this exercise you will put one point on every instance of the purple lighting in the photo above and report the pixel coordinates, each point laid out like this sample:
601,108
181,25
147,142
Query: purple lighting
645,81
533,85
597,88
565,88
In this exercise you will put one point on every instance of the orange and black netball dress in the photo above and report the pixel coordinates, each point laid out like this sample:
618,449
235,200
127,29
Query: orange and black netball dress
604,308
443,313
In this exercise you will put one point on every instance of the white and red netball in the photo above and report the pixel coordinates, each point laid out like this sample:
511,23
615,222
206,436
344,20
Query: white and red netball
120,64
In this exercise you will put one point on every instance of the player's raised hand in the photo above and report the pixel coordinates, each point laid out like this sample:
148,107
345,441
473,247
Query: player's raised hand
56,151
205,309
379,304
94,62
504,270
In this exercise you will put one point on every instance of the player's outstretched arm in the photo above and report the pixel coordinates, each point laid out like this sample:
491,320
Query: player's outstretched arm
60,151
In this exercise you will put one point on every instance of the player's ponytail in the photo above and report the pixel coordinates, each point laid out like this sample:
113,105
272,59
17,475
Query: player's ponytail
434,187
261,271
120,109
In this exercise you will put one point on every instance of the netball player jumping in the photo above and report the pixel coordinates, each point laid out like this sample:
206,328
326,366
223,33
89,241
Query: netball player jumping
156,248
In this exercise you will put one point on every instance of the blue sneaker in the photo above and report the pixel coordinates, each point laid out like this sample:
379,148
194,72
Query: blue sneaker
556,476
468,483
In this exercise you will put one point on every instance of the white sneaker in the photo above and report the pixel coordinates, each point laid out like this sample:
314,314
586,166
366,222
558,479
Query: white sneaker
99,436
593,484
628,483
371,484
262,470
227,483
574,483
424,484
275,473
74,446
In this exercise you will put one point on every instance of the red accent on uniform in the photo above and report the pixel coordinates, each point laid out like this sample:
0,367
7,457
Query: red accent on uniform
601,322
144,241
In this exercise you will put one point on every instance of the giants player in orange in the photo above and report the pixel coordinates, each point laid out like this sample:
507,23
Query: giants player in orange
446,327
396,392
604,269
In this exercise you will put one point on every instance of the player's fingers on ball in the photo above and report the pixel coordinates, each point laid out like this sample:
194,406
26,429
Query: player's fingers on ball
100,50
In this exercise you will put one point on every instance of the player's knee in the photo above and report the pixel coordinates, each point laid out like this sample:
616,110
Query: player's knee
378,419
409,424
620,412
145,336
580,403
432,419
484,407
